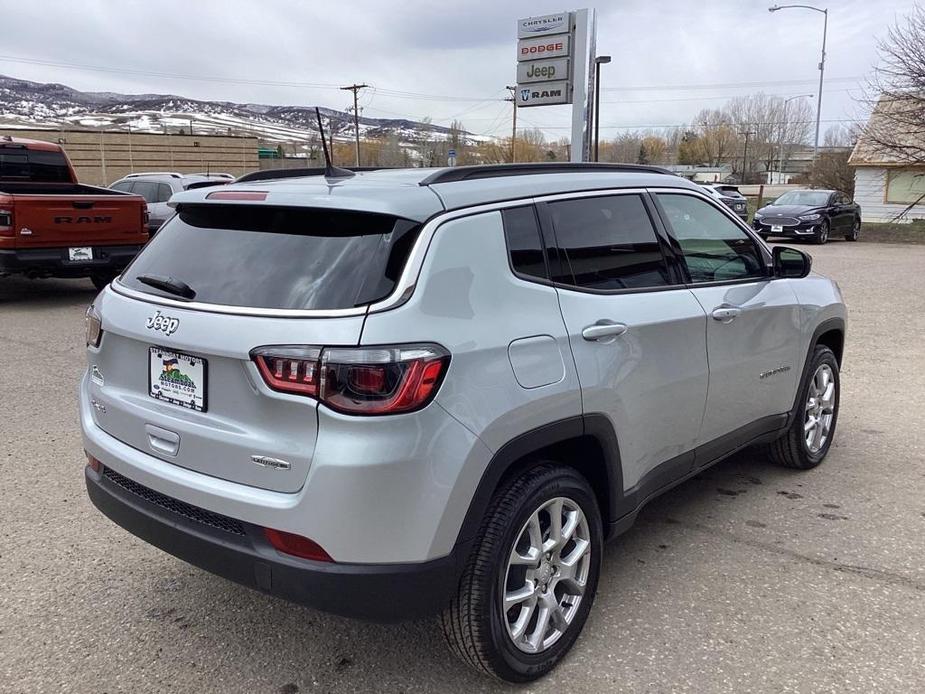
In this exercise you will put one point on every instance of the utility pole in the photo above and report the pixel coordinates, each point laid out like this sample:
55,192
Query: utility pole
356,116
513,100
747,133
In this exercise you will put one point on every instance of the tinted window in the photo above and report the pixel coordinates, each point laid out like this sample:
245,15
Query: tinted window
523,242
34,165
163,192
265,257
714,247
124,186
608,243
147,190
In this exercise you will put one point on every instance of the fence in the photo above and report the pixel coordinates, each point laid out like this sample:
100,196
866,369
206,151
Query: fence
101,157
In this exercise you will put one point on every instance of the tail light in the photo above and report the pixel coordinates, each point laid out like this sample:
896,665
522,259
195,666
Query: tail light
296,545
361,380
145,216
6,222
94,327
93,463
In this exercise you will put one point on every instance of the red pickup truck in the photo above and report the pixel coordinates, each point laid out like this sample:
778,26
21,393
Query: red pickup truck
52,226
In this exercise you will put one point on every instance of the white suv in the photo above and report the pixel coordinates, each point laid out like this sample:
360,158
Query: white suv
439,391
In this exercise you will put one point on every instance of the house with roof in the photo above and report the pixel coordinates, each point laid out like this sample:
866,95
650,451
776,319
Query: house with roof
889,181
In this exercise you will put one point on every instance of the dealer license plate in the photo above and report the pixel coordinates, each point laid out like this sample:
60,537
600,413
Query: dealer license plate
80,253
177,378
777,227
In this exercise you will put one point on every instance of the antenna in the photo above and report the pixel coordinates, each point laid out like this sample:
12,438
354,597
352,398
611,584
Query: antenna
330,171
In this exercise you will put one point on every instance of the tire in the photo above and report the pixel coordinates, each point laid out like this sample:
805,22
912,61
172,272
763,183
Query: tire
792,449
855,231
475,627
102,279
822,236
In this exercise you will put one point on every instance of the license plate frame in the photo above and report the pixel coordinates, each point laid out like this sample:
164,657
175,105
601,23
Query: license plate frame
80,254
188,387
777,228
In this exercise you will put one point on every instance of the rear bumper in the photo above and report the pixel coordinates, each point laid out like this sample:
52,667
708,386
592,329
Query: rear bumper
53,262
375,592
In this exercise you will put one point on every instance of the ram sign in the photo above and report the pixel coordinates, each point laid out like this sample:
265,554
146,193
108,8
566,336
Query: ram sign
543,93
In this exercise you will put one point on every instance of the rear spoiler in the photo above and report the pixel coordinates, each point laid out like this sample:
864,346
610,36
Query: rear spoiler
207,184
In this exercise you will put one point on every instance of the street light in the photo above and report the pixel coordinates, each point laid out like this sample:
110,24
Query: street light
825,27
780,158
598,61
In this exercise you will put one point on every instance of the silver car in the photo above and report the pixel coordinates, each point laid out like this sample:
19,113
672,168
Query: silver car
417,392
157,187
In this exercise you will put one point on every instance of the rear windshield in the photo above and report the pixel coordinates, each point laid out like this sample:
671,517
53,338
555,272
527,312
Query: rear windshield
272,257
20,164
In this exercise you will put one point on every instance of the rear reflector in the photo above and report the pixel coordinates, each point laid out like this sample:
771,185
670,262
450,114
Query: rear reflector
250,195
93,463
296,545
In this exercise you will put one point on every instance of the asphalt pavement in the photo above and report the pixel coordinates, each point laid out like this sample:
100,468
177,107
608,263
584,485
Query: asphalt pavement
748,578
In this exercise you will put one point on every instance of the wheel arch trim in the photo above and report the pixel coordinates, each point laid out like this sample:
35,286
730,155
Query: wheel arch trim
516,455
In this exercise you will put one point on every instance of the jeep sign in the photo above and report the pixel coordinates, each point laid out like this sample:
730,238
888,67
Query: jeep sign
543,94
543,47
542,70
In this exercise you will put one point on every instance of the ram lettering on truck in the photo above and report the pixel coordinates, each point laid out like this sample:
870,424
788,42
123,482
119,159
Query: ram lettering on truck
53,226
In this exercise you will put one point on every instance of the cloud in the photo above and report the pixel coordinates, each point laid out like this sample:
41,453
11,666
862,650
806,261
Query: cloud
430,49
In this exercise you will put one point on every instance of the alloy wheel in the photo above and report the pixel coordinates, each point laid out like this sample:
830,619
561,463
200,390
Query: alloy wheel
820,408
546,575
824,232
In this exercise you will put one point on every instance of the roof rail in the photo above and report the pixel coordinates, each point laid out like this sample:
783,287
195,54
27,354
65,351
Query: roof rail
172,174
271,174
469,173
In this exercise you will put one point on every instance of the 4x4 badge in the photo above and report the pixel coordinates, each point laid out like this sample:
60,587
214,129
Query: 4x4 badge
165,324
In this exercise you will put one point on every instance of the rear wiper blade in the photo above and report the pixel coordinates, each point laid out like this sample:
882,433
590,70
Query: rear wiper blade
168,284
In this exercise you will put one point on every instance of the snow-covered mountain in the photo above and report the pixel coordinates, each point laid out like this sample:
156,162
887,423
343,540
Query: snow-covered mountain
48,105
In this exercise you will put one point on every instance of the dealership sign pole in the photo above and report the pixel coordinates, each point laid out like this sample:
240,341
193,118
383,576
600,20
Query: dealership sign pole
555,55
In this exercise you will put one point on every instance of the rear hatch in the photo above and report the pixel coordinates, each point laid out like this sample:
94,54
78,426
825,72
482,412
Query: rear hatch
176,376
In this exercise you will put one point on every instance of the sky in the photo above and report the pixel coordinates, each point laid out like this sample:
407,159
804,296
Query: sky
447,59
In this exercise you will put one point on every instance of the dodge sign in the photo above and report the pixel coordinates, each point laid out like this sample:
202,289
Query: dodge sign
544,47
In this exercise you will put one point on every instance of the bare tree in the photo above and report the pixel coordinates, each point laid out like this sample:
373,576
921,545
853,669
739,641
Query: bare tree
897,125
717,135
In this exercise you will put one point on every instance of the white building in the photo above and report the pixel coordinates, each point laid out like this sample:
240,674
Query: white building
887,188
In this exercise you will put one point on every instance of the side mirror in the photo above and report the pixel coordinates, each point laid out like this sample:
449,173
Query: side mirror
790,262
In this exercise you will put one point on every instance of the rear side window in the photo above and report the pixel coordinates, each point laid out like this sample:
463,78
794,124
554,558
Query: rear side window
524,244
608,243
33,165
163,192
281,258
147,190
124,186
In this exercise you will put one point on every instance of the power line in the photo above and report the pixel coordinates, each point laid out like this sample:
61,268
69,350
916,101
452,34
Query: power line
721,85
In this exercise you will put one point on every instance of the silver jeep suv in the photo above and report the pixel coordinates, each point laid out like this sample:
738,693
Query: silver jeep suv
421,391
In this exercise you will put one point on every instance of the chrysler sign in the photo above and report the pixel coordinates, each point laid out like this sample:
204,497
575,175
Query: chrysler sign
546,25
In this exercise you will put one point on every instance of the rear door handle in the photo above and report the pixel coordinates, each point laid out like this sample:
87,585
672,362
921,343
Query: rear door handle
726,314
602,330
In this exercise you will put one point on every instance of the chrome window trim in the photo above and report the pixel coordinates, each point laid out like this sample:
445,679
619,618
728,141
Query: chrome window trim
406,284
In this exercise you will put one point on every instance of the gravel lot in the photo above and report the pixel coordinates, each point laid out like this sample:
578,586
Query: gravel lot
747,578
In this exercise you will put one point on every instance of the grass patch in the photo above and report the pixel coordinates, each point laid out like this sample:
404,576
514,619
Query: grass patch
888,232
